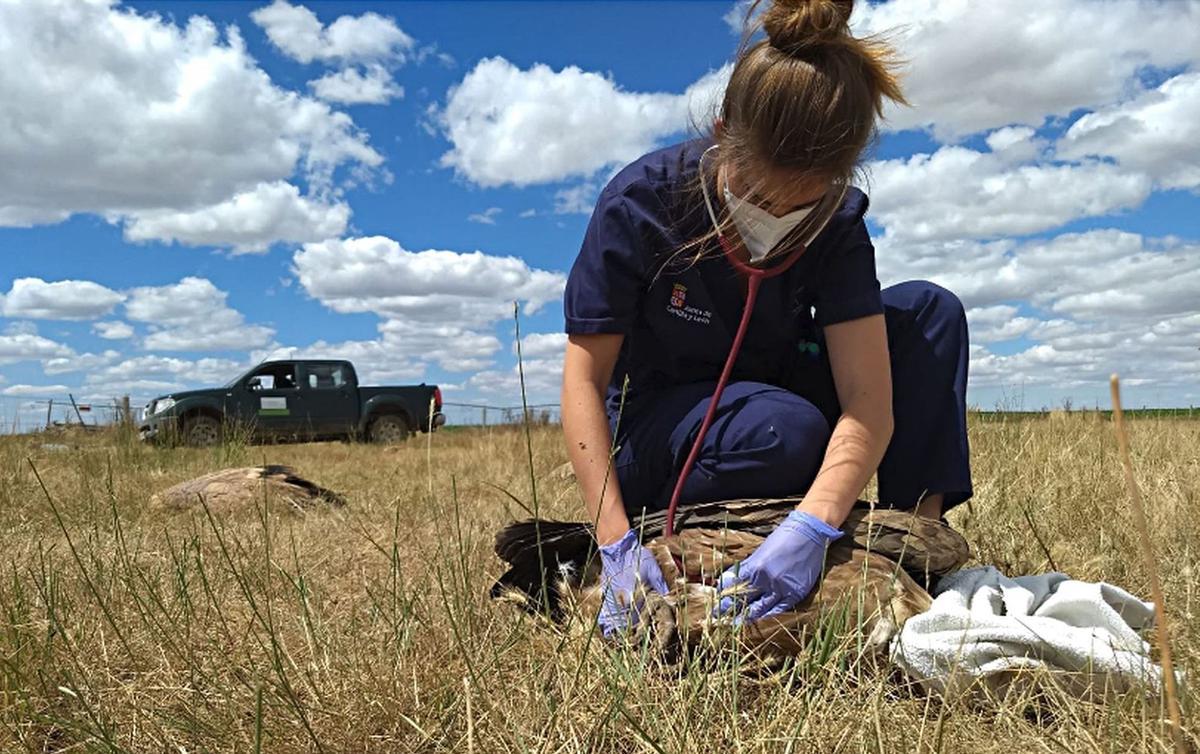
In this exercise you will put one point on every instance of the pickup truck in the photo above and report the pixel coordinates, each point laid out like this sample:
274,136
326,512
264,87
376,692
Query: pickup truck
294,400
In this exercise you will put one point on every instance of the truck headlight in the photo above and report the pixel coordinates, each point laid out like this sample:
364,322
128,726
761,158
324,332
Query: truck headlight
163,404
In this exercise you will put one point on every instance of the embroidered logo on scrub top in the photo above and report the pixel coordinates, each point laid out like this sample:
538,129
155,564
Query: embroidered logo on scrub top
678,306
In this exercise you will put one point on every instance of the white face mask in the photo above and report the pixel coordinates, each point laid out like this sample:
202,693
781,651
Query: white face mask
760,230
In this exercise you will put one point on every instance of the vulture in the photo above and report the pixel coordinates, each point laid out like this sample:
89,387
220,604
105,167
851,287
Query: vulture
242,487
875,577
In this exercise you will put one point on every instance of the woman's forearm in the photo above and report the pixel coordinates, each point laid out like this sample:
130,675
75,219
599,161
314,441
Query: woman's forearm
854,452
589,445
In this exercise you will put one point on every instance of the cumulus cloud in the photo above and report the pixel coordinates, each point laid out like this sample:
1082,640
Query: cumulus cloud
543,380
35,390
438,308
128,116
28,347
192,315
990,324
404,351
372,86
365,47
249,221
147,376
1097,302
962,193
522,127
298,33
979,66
1155,133
375,274
64,299
79,362
540,345
113,330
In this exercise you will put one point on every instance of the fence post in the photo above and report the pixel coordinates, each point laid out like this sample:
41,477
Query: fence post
49,408
126,414
76,407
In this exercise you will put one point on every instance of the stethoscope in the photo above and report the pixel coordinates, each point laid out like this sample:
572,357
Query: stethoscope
754,276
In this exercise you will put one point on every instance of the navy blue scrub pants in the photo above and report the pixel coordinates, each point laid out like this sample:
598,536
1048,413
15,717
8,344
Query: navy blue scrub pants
769,441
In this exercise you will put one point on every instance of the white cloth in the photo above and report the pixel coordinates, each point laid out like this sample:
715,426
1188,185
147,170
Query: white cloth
986,626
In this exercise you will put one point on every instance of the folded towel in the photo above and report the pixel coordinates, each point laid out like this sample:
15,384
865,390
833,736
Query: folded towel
986,626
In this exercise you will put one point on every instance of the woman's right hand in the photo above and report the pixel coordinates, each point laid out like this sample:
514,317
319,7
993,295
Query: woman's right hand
626,564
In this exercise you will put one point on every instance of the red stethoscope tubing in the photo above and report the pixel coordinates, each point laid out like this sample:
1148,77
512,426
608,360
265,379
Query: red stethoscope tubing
754,276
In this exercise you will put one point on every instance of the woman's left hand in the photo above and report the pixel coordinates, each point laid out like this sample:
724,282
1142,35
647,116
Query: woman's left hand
781,572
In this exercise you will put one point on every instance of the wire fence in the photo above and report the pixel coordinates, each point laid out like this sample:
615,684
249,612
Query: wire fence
480,415
21,414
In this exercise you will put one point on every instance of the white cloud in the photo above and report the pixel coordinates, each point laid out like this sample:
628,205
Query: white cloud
1155,133
579,199
543,382
37,391
126,115
205,371
958,192
64,299
27,347
249,221
79,362
298,33
21,328
375,274
350,86
113,330
487,217
521,127
735,17
192,315
147,376
993,324
540,345
978,66
1098,302
438,307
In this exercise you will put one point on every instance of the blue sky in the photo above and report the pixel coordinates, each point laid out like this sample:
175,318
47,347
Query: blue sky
377,180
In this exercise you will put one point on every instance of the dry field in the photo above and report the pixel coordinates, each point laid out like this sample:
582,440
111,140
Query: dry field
124,627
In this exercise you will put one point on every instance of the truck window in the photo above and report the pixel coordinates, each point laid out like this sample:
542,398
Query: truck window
274,377
326,376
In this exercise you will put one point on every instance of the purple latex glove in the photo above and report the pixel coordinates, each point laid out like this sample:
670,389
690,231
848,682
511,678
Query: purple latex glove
782,571
625,564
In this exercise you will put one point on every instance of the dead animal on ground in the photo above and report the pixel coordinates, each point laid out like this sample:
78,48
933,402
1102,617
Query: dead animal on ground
875,578
230,489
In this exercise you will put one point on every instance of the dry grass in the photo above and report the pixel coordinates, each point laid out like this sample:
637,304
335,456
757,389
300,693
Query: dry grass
368,628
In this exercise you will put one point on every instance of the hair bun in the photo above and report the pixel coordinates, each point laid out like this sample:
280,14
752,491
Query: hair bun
794,25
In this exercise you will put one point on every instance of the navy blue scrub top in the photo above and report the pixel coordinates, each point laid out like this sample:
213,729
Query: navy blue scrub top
679,319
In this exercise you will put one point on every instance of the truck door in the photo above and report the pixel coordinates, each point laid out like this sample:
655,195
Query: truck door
330,399
269,399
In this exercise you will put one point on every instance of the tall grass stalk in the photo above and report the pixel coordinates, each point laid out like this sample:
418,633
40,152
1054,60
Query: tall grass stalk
1151,561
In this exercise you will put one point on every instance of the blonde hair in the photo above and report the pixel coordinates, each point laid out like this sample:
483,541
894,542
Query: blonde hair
804,101
807,98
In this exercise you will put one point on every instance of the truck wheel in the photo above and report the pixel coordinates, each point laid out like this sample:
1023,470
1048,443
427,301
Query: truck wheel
201,432
389,429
